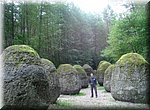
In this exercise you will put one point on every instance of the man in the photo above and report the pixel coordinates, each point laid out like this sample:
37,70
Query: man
93,84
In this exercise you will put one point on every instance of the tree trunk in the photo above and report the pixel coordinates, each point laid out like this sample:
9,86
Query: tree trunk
12,22
40,29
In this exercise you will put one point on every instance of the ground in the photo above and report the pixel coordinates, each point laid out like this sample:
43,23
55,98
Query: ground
104,100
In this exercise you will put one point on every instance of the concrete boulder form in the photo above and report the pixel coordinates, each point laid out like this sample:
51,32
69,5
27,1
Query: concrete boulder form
103,65
26,82
69,79
82,75
107,78
130,79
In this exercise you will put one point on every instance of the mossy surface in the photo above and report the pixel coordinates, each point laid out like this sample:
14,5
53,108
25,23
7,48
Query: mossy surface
131,58
21,48
110,68
46,61
79,69
19,54
104,65
86,66
48,65
67,68
100,63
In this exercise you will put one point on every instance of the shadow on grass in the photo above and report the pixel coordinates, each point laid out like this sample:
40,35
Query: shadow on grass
60,104
79,94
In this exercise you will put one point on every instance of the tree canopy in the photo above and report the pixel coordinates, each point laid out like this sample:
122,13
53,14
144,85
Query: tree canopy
128,34
60,32
63,33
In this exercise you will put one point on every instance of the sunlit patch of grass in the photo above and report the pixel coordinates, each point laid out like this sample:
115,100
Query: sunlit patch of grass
100,88
63,104
80,94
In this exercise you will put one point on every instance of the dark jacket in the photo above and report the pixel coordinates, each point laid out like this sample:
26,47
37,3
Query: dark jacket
92,81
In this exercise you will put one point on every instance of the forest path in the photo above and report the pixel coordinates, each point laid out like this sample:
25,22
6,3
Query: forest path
104,101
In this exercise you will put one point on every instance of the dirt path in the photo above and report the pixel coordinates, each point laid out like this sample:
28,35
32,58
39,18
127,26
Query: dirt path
104,100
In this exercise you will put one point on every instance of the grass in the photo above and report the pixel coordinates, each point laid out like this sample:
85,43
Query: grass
80,94
100,88
61,104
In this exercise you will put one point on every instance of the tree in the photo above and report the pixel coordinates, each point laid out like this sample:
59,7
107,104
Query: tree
58,31
128,34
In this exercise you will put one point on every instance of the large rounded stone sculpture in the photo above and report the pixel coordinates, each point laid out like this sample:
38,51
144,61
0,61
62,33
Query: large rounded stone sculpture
88,69
69,79
100,63
26,82
107,78
82,75
130,79
101,70
54,86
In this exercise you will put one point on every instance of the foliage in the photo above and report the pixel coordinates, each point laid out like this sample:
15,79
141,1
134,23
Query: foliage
58,31
62,33
128,34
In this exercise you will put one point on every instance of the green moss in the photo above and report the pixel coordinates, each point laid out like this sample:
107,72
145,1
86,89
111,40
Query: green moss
131,58
100,63
110,68
79,69
19,54
79,94
46,61
48,65
67,68
103,66
63,104
21,48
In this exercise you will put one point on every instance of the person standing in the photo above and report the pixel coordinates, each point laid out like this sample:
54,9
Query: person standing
93,84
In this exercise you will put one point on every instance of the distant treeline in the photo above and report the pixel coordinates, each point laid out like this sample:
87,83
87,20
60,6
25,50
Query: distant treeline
59,32
63,33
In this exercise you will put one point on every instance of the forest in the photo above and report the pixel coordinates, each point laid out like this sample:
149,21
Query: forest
63,33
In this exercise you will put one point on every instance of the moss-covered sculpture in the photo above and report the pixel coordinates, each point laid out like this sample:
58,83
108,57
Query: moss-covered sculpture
18,54
130,79
54,90
82,75
88,69
26,83
100,63
101,70
69,79
131,58
107,77
48,65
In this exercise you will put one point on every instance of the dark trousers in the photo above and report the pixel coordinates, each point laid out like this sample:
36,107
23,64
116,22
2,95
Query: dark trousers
93,87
